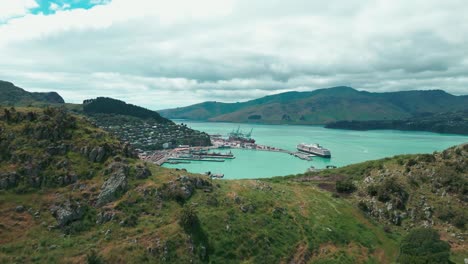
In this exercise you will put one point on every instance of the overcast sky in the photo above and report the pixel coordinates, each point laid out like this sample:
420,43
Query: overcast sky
162,54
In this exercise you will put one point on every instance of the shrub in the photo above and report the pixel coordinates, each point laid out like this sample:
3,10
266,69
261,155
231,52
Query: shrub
188,218
363,206
389,190
345,186
423,246
93,258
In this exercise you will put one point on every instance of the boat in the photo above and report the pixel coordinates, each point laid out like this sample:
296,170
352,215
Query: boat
315,149
217,176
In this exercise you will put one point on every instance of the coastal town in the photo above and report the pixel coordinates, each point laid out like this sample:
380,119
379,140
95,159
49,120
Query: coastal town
148,135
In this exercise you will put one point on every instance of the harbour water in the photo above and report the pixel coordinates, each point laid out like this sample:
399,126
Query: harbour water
347,147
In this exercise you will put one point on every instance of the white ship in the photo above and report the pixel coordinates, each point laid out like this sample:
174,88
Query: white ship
315,149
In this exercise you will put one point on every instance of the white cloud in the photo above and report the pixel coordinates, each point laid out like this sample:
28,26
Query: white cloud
162,54
14,8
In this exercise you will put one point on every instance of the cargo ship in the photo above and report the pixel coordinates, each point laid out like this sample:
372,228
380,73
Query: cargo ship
315,149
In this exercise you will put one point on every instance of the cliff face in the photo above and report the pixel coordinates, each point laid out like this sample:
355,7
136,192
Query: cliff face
12,95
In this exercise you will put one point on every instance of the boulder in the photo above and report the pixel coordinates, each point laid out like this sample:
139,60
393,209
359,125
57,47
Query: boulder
8,180
104,217
19,209
101,154
142,172
93,155
67,212
115,185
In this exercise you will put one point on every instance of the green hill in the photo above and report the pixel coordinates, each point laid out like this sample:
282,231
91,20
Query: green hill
451,122
10,95
71,193
323,106
105,105
143,128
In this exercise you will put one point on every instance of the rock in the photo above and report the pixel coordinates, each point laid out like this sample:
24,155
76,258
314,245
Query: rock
104,217
19,209
183,188
142,172
101,154
67,212
8,180
202,252
93,154
115,186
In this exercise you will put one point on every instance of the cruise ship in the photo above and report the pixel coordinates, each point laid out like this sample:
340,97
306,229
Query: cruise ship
315,149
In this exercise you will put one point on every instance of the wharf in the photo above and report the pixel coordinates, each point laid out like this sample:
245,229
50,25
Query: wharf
195,159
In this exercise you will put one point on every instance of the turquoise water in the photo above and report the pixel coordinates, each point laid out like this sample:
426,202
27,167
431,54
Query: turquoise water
347,147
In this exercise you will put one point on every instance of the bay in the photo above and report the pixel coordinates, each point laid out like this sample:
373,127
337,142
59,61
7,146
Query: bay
347,147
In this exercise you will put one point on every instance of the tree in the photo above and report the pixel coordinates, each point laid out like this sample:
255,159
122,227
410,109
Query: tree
423,246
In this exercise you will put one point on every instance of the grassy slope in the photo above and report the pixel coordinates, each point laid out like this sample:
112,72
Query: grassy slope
314,226
437,181
285,220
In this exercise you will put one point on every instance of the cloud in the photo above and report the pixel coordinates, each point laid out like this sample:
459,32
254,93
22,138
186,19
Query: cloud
160,54
14,8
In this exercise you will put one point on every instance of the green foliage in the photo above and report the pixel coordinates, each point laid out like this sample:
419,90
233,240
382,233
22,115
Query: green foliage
345,186
423,246
94,258
188,217
389,190
457,217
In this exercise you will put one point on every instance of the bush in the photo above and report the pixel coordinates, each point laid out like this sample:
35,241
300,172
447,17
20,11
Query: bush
363,206
389,190
345,186
188,218
424,246
93,258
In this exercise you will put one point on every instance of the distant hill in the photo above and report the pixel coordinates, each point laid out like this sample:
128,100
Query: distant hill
323,106
143,128
452,123
12,95
105,105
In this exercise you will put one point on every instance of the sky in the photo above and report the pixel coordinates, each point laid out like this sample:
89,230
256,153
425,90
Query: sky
163,54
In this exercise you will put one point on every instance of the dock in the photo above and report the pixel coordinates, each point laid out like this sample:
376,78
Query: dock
195,159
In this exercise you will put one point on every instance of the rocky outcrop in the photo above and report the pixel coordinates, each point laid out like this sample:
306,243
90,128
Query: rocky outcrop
96,154
115,185
8,180
105,216
142,172
183,187
67,212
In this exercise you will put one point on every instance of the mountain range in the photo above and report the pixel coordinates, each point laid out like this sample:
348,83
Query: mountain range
323,106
